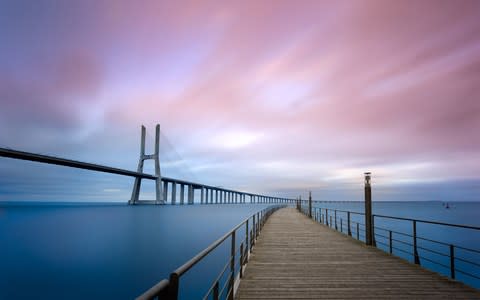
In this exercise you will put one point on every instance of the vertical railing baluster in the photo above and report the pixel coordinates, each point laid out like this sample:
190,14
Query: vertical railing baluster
358,231
415,250
246,240
374,242
310,204
390,241
341,225
258,226
232,266
335,213
452,261
173,286
216,290
251,238
348,224
241,260
254,231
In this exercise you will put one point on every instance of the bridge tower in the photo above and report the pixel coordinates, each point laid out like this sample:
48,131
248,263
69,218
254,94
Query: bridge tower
155,156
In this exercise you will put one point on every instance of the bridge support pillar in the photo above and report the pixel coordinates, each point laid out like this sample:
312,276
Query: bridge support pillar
182,194
159,197
190,194
174,193
165,191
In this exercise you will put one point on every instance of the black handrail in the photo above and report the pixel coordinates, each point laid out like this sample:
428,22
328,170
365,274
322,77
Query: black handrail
169,288
429,222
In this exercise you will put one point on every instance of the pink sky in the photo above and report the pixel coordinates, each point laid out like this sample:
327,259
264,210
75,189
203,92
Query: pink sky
254,95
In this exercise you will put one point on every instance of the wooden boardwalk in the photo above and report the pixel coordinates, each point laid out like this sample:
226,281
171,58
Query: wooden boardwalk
297,258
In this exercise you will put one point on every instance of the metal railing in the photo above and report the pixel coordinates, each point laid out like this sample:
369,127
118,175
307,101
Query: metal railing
169,288
450,259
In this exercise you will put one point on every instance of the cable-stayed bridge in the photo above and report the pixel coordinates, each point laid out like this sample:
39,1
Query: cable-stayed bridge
185,195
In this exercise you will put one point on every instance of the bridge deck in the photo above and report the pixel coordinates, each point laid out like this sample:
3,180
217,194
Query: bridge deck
297,258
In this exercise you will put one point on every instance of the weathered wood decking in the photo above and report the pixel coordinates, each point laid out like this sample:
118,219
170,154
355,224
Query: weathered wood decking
296,258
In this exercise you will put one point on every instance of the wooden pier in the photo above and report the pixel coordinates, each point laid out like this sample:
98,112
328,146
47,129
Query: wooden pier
297,258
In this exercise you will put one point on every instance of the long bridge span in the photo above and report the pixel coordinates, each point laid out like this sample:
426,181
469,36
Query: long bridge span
208,194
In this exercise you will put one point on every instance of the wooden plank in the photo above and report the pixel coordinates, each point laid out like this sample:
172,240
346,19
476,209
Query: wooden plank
297,258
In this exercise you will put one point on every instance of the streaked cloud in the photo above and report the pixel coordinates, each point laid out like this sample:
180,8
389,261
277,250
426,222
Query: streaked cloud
299,94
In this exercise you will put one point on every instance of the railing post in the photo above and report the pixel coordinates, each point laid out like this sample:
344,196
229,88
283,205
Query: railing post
258,225
216,290
246,238
415,250
173,287
232,267
348,224
390,241
358,231
335,212
368,210
452,261
326,216
254,236
341,225
331,221
374,242
251,238
310,204
241,260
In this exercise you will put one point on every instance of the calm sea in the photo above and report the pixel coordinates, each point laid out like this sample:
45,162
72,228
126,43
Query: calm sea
116,251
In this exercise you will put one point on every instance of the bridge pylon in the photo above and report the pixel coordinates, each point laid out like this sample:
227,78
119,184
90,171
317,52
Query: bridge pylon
158,181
